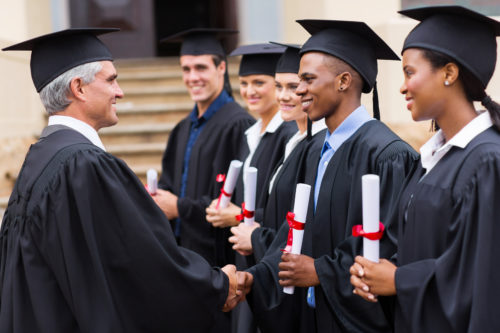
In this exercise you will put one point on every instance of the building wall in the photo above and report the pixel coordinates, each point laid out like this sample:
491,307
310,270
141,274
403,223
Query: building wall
21,113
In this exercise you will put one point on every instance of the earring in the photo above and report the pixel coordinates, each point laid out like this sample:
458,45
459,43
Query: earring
340,88
446,83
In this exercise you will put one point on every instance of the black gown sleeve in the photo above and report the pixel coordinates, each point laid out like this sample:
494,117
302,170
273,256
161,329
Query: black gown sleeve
113,256
456,291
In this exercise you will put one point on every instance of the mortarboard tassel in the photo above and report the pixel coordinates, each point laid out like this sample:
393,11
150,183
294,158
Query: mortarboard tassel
376,110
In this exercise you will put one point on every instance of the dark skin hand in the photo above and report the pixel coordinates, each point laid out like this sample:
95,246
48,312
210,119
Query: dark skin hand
371,279
297,270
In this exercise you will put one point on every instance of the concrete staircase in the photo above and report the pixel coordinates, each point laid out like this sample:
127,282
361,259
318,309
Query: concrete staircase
155,101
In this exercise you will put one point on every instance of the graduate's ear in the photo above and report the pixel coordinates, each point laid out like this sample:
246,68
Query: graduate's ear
450,73
76,88
222,67
344,81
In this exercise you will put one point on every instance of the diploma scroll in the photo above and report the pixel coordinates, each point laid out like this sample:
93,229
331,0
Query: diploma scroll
249,195
152,181
229,184
297,220
371,215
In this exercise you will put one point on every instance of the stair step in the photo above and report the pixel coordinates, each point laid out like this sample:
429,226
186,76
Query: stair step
137,133
136,148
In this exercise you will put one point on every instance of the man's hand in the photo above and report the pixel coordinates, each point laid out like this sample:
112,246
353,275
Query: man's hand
242,238
297,270
167,202
222,217
234,295
245,281
371,279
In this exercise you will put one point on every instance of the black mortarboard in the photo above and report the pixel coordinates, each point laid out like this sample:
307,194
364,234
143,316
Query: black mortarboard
464,35
55,53
258,58
353,42
289,61
199,41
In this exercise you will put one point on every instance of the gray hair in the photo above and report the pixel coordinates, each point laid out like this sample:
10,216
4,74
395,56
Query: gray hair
54,95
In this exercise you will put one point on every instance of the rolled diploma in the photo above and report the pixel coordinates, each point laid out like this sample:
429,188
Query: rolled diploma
249,194
371,215
152,176
302,193
230,182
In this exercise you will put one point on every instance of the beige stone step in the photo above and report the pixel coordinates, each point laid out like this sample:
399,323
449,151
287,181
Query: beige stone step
131,113
137,133
138,153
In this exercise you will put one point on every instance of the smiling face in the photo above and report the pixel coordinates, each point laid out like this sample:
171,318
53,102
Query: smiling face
423,86
258,92
101,95
318,86
202,78
289,101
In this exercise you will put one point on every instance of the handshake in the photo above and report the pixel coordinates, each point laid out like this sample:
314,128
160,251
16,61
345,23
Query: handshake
240,284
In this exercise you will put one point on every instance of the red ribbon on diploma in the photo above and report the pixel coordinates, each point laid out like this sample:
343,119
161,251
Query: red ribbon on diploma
293,224
245,213
357,230
221,178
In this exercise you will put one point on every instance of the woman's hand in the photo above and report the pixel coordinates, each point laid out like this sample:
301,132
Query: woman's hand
222,217
371,279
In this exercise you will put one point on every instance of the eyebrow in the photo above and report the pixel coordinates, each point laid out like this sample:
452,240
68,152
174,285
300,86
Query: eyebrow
305,74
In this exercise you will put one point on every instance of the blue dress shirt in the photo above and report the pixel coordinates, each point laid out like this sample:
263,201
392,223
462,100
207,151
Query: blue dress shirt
332,143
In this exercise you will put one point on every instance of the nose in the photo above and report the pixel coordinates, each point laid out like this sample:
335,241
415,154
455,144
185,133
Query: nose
301,89
250,89
403,89
118,91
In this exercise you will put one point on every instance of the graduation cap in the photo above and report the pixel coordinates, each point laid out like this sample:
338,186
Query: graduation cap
352,42
258,58
55,53
464,35
289,61
199,41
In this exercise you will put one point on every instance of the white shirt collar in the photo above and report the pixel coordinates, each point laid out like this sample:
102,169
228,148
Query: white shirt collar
434,149
81,127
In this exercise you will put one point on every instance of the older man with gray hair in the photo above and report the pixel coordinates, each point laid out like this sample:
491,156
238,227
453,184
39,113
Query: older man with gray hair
83,247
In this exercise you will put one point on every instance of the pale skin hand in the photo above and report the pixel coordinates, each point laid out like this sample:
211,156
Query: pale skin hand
371,279
245,281
297,270
242,238
167,201
222,217
234,295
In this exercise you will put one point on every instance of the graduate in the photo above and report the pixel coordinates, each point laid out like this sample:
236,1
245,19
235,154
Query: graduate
266,139
338,63
255,239
83,247
447,249
287,173
202,145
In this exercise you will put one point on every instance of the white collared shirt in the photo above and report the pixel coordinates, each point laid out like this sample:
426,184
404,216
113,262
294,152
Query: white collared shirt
254,136
293,142
81,127
434,149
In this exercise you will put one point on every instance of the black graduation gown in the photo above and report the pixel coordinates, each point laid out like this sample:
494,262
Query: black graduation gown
266,158
372,149
286,316
88,250
218,144
280,200
448,246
